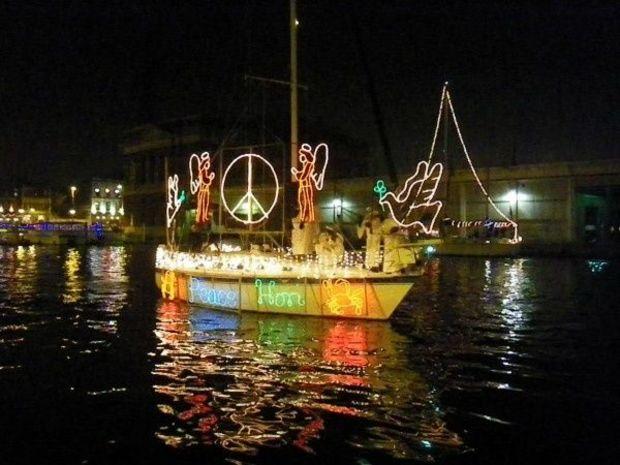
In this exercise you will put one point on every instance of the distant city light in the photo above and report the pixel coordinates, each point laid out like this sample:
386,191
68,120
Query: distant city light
512,197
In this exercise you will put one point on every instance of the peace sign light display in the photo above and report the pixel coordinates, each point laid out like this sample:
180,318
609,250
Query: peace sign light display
249,201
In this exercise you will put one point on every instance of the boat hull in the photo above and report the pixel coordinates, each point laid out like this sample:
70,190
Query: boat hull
360,298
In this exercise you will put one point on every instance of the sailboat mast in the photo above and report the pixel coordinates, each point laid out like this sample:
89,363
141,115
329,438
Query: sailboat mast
446,122
294,116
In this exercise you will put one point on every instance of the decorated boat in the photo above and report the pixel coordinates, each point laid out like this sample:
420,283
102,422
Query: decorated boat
269,283
314,276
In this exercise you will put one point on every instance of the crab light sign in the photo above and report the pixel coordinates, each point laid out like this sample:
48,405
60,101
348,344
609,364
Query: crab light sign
310,177
200,183
414,205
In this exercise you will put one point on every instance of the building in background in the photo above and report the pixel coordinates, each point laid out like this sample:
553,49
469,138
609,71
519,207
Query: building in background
152,150
25,205
555,204
106,203
566,207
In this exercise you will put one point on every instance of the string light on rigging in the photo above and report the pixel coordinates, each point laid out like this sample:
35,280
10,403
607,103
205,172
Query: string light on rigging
516,237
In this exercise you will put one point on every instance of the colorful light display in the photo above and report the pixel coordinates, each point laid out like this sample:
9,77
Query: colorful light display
341,298
169,285
315,290
249,201
270,294
309,179
285,265
380,188
174,199
415,200
476,223
200,182
212,294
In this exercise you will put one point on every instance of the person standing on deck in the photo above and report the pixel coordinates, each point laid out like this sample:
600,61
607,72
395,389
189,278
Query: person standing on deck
372,228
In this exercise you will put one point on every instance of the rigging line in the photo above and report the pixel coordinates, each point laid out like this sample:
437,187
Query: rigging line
371,89
443,97
233,129
473,170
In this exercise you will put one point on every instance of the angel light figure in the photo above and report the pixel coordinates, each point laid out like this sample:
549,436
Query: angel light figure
309,179
200,182
414,204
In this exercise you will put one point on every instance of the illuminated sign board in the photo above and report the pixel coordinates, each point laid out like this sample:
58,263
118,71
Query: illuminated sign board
273,294
213,293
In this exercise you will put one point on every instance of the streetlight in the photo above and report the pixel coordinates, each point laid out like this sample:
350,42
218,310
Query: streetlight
73,189
72,212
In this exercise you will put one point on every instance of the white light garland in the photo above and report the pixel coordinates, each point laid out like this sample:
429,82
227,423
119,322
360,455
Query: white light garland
174,200
443,96
251,264
515,237
418,192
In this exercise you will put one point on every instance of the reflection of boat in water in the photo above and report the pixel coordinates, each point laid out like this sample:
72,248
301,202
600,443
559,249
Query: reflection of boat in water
250,381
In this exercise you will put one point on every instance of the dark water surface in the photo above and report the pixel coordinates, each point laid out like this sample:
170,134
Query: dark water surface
499,361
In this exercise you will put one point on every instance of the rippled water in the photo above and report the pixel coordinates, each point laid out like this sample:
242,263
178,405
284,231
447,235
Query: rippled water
488,361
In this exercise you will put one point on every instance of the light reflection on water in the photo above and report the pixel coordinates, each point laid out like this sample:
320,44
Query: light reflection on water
487,361
249,381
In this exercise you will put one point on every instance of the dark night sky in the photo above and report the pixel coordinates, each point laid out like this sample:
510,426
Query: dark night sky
535,80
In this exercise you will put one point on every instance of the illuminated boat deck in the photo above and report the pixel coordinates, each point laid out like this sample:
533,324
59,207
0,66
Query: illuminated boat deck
235,265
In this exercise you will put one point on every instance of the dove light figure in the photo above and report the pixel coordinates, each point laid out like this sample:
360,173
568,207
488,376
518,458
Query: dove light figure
415,200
